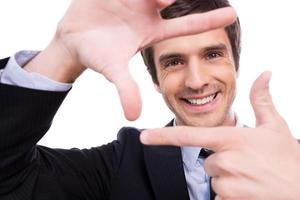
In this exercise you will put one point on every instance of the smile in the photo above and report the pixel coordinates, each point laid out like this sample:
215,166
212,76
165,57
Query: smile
201,101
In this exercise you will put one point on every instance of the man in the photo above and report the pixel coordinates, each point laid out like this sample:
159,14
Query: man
125,168
196,70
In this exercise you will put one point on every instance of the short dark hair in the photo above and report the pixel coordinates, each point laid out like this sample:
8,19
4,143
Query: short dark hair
185,7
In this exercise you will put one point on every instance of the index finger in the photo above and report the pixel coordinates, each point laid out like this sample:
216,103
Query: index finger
215,139
198,22
164,3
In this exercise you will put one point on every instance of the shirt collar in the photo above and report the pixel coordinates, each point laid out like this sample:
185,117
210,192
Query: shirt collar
190,154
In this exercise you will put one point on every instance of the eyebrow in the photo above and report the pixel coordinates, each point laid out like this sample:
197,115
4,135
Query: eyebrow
219,47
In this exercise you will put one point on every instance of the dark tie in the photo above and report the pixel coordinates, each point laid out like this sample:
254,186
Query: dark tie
204,153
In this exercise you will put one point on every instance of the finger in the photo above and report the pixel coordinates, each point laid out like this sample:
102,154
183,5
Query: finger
129,94
261,100
214,186
197,23
224,187
223,198
214,139
164,3
217,185
218,197
234,187
222,163
212,168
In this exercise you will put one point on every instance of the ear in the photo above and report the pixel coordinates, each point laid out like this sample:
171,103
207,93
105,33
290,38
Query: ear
157,88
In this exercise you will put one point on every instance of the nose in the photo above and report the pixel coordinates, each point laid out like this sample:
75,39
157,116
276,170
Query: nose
197,75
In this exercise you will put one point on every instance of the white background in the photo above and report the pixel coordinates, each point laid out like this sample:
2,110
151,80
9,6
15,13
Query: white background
91,114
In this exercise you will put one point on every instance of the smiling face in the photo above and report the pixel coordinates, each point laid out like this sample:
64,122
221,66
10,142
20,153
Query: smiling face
197,78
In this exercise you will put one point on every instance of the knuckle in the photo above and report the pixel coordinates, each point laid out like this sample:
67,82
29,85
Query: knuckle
209,166
238,140
184,138
224,163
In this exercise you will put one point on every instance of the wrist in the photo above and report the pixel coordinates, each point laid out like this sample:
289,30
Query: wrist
56,63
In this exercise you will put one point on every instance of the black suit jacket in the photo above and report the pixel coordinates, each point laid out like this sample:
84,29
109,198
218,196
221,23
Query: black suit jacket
123,169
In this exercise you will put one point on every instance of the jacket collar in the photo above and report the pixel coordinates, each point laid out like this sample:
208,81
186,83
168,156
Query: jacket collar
3,62
166,173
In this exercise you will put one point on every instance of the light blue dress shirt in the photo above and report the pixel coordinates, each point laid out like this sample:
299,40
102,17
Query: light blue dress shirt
198,182
13,74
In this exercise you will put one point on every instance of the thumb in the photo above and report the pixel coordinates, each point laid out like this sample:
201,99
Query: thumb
261,100
129,94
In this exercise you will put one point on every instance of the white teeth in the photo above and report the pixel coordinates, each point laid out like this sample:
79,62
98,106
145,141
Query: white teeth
201,101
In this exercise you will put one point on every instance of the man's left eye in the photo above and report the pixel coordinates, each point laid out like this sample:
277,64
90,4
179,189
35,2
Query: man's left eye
214,55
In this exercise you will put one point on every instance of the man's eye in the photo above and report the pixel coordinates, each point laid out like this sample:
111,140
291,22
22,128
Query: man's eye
173,62
214,55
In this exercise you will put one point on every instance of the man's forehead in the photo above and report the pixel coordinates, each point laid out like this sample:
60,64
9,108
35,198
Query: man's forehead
192,43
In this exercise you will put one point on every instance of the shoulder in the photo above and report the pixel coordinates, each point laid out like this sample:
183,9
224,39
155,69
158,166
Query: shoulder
128,138
129,134
128,144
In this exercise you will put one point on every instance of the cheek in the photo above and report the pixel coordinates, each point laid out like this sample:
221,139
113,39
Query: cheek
225,74
230,84
170,83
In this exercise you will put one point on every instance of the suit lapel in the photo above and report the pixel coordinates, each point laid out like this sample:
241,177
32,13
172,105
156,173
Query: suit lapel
3,63
166,173
165,170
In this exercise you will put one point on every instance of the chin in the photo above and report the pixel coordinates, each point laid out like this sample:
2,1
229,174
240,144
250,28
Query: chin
205,121
205,124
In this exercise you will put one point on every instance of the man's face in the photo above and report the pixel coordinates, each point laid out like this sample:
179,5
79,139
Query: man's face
197,78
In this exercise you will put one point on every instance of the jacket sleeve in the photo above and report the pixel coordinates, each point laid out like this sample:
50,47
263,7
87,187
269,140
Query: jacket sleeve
24,118
29,171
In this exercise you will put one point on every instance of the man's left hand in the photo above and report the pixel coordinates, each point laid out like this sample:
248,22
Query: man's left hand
249,163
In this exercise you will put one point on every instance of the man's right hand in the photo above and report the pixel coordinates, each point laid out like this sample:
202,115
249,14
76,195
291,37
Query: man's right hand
104,35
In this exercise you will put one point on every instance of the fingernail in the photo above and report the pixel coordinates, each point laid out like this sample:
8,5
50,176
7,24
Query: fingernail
269,78
144,137
168,2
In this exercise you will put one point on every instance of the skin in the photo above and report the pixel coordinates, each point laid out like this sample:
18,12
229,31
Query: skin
92,31
249,163
194,67
90,34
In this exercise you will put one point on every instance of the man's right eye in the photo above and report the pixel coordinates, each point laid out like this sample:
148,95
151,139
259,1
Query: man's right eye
173,62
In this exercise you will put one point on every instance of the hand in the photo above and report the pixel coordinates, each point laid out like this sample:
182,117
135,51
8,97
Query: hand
248,163
104,35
